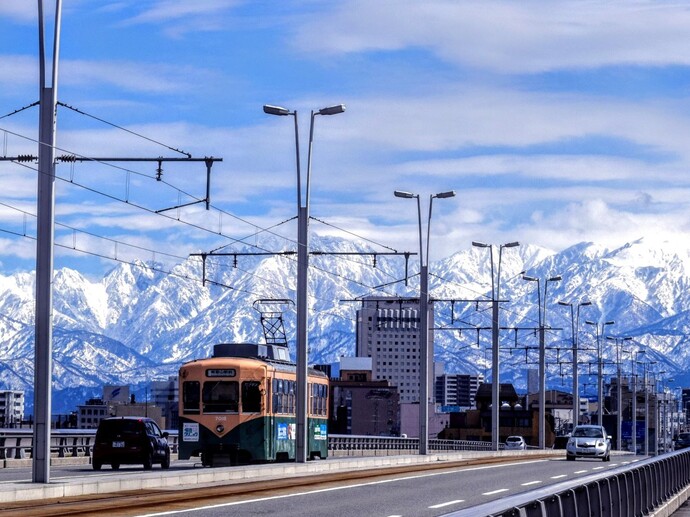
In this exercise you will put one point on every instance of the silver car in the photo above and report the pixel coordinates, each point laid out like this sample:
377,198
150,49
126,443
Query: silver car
589,441
515,443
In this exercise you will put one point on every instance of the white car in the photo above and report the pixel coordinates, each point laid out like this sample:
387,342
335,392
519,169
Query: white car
515,443
589,441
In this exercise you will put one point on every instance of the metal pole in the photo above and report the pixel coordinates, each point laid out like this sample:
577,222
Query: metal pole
44,255
633,379
495,366
576,398
424,360
302,336
619,415
646,412
542,387
600,383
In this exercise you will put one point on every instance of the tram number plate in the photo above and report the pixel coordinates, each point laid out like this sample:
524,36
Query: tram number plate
118,444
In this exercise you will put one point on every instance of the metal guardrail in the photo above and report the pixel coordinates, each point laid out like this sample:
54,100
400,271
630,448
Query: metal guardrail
346,442
633,490
17,443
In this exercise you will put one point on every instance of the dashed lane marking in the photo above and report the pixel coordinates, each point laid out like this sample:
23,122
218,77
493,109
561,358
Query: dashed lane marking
496,491
441,505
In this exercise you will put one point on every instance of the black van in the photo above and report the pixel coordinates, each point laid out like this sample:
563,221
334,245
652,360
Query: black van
130,440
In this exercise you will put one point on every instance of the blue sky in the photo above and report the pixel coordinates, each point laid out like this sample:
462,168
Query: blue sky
554,122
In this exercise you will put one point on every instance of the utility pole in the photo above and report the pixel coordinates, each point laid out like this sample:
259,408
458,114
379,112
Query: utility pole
44,252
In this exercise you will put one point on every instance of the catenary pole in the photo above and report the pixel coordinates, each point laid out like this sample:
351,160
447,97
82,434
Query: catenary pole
44,252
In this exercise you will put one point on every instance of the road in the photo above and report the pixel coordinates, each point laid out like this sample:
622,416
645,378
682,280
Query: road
420,494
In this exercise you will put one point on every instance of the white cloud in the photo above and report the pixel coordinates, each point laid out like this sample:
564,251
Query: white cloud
20,10
508,36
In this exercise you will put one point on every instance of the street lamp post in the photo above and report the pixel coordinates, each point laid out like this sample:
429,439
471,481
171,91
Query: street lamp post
424,353
599,329
619,389
301,435
542,354
575,329
645,366
633,377
495,371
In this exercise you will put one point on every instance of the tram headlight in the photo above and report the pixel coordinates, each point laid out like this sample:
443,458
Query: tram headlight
220,428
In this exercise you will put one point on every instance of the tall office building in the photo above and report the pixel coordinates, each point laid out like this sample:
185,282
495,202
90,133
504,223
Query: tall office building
457,389
388,332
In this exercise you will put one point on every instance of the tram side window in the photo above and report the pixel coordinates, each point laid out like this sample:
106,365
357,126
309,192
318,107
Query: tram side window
283,396
277,395
251,397
319,398
191,391
220,396
291,396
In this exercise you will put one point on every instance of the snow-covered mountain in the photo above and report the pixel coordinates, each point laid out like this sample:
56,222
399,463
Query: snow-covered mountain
138,324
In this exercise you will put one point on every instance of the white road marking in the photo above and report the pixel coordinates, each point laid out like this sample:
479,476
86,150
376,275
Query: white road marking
559,476
441,505
598,468
496,491
580,471
530,483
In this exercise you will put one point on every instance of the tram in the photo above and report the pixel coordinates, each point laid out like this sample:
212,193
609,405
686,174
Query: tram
238,406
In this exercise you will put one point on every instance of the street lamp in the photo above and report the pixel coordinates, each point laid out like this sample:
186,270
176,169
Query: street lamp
542,354
424,352
633,378
645,365
495,380
619,389
575,329
599,329
301,438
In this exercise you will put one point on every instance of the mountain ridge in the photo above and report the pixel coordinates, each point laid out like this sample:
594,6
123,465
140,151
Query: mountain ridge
136,323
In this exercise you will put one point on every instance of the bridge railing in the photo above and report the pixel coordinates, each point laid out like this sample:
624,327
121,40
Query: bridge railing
17,444
632,490
353,444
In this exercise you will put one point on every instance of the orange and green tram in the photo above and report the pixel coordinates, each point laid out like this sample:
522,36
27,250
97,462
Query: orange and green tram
239,407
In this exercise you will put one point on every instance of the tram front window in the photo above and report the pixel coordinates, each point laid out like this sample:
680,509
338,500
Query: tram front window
220,396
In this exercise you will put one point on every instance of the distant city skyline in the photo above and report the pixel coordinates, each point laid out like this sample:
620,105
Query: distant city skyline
554,122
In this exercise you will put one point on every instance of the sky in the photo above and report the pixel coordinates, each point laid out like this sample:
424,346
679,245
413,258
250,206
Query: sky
554,123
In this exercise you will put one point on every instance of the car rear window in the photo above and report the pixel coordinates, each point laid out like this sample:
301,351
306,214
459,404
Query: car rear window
109,428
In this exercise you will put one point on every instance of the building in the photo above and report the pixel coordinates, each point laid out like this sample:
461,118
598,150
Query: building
11,408
90,414
515,418
388,333
360,405
457,389
165,395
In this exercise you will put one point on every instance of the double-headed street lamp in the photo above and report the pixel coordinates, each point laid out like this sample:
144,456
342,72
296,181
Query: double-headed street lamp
542,353
619,389
575,329
599,329
495,379
301,435
424,353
